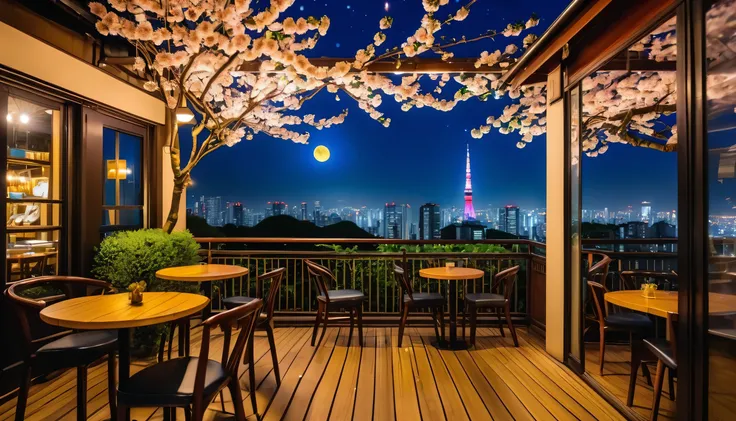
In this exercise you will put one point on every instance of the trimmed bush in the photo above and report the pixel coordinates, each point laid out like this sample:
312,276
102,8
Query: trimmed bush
132,256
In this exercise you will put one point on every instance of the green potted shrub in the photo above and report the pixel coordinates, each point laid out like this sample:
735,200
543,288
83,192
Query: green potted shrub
133,256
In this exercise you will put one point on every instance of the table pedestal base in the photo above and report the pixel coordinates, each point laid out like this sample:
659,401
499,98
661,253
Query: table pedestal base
454,346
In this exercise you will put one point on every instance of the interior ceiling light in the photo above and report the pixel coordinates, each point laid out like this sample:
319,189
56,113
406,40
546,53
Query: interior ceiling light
24,119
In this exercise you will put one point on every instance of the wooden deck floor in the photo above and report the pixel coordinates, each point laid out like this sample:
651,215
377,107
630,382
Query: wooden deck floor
337,381
615,380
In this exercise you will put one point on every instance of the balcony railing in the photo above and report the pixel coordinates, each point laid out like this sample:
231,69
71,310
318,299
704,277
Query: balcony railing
357,264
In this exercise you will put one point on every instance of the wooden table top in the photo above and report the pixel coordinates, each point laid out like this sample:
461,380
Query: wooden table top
451,274
666,302
114,311
201,273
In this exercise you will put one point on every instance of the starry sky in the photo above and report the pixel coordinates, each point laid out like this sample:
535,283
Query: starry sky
421,157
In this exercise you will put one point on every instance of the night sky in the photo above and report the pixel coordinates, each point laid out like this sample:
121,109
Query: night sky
421,156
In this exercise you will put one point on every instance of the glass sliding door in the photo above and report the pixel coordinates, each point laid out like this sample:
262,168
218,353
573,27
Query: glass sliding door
576,287
720,62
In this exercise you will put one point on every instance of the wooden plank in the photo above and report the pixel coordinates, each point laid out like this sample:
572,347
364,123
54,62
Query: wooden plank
471,399
363,410
383,408
342,409
292,378
405,392
541,380
491,400
451,401
306,388
429,398
324,396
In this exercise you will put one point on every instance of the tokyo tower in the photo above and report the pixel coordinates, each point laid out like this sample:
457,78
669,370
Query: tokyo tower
469,214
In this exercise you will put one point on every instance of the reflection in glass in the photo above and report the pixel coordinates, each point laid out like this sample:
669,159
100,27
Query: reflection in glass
33,177
123,199
720,29
576,279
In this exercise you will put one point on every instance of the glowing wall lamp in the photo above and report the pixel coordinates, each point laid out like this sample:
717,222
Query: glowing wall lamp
183,114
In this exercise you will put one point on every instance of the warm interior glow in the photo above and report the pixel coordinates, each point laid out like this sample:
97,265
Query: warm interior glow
24,119
9,117
117,169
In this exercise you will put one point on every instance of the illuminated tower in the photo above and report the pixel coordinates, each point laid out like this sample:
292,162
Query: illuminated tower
469,214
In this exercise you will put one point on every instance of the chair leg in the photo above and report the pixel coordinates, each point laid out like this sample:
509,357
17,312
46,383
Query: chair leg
237,396
473,323
436,322
82,393
25,385
317,320
325,321
658,380
465,315
173,413
253,386
602,348
633,373
442,323
671,383
187,413
511,325
402,323
359,310
647,374
111,383
122,411
274,355
352,324
500,322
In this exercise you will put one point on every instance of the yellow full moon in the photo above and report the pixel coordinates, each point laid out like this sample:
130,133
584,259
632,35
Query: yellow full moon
321,153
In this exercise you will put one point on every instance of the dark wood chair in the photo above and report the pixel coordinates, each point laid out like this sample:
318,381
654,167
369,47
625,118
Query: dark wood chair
632,279
330,300
498,299
432,301
638,325
193,382
265,318
663,350
63,349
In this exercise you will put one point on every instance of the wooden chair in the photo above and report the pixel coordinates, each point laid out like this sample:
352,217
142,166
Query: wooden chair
63,349
433,301
632,279
636,324
498,299
334,300
193,382
265,318
665,353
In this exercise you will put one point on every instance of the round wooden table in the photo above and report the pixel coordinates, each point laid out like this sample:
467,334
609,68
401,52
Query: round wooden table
115,312
666,302
452,274
204,274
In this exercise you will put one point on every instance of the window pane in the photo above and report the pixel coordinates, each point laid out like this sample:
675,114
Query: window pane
720,30
130,185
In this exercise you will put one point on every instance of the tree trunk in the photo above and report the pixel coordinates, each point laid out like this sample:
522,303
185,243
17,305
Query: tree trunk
174,210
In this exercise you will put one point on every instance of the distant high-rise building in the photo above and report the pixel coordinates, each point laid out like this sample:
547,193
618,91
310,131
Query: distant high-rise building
509,219
237,214
429,221
279,208
391,221
212,210
304,213
467,230
636,229
646,212
469,213
318,214
406,222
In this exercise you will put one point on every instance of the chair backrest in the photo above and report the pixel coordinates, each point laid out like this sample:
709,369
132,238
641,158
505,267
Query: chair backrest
507,278
59,288
242,317
322,276
403,280
275,276
598,272
664,280
32,266
600,310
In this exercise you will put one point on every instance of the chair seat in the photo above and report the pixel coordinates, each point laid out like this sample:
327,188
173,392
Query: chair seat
662,349
101,341
629,320
171,383
343,295
232,302
485,298
425,298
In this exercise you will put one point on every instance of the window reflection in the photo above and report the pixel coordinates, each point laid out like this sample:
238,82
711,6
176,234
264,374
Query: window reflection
123,198
720,29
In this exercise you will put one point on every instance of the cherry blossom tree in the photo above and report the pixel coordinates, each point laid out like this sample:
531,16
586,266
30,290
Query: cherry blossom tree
202,54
